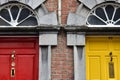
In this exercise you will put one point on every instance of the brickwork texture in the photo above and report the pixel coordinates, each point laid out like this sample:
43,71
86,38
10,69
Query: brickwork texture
62,56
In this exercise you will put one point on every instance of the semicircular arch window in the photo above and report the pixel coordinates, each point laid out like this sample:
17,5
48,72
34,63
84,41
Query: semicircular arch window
17,15
105,14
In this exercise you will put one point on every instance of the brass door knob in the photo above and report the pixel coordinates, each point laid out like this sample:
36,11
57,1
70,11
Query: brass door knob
13,55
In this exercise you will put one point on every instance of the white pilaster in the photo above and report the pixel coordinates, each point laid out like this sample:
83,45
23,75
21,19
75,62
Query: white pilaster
46,40
49,62
77,40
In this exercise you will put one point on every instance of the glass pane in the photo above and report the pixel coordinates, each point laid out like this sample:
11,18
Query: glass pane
24,13
118,23
109,10
117,14
14,11
29,22
95,21
101,14
3,23
5,14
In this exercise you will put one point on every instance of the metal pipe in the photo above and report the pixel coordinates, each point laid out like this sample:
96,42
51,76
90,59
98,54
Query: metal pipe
59,11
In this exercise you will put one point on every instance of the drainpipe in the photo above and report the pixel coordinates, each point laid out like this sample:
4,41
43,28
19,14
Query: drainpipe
59,11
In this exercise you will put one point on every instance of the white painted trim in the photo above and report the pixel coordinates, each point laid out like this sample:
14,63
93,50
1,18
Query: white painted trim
17,26
84,64
48,75
76,74
47,39
59,10
79,64
49,62
103,25
40,64
77,40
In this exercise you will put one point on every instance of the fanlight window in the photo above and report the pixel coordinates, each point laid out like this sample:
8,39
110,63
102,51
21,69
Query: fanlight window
17,15
107,14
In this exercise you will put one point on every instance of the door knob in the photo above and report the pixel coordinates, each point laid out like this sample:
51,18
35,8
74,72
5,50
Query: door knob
13,55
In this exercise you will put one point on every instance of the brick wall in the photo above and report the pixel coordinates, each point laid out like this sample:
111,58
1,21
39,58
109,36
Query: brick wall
67,6
62,60
62,56
52,5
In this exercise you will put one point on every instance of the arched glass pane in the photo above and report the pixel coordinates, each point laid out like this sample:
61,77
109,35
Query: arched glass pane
31,21
104,14
24,13
5,14
100,13
117,14
17,15
3,23
14,11
109,10
95,21
118,23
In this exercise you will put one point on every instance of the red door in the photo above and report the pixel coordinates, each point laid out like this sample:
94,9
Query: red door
19,58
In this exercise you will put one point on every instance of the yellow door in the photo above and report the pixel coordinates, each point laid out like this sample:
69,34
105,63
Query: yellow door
102,58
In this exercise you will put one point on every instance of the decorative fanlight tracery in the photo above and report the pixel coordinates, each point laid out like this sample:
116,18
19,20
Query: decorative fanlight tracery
106,14
17,15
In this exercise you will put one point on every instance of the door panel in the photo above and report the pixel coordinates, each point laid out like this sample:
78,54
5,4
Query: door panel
99,45
94,68
25,67
16,45
99,65
4,67
20,45
19,58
